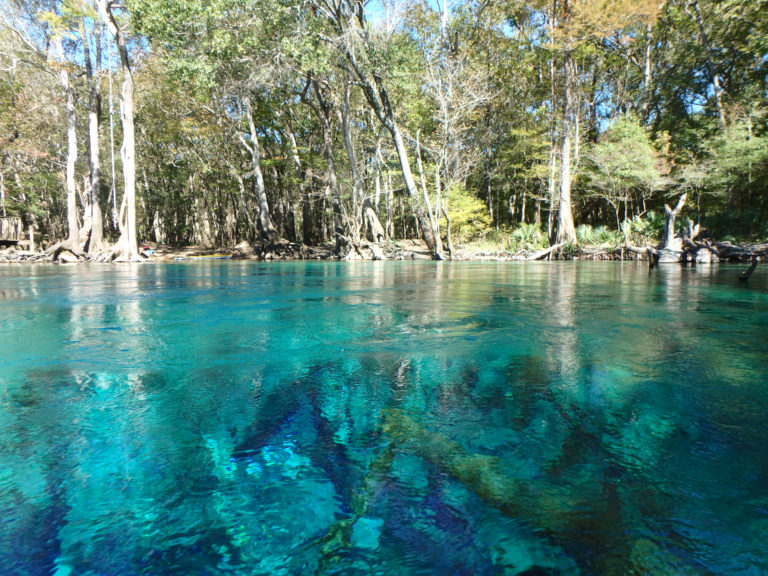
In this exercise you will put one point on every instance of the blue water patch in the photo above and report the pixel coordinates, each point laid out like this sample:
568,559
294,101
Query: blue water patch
382,418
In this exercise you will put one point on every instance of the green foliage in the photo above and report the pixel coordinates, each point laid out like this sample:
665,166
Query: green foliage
600,236
222,44
624,158
728,176
737,157
528,236
469,216
643,230
484,91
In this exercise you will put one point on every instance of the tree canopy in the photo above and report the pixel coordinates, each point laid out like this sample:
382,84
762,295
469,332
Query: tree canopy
333,121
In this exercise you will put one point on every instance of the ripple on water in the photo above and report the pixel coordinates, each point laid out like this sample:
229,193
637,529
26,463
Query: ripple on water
399,419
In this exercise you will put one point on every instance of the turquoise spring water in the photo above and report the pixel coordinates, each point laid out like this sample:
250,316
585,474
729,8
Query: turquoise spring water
383,418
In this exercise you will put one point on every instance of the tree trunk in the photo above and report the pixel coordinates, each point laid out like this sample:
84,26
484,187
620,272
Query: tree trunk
369,216
307,235
243,198
71,187
552,183
566,232
390,204
438,248
522,206
671,242
711,68
308,224
410,186
372,85
647,76
268,230
333,183
377,163
126,248
93,221
74,229
71,161
323,111
444,210
2,195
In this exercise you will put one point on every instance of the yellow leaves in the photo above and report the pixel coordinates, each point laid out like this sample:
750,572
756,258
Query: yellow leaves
601,18
66,18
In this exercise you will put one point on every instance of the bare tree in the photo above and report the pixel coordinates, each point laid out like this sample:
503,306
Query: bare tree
348,20
126,248
566,231
93,222
369,216
268,230
57,48
324,112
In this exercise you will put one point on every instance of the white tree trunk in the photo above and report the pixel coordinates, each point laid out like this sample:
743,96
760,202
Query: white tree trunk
93,221
267,228
713,72
438,248
671,241
369,216
566,231
74,229
126,249
71,187
410,183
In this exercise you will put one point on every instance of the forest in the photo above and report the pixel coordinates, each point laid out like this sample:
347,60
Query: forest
522,124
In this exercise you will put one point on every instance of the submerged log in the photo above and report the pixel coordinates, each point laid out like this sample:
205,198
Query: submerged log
745,274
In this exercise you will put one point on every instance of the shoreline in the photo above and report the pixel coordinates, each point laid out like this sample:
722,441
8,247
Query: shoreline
394,250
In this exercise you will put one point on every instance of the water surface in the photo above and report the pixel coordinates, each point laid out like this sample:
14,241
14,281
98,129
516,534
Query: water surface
383,418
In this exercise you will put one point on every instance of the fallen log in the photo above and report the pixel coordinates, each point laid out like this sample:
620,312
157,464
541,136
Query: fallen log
742,251
546,252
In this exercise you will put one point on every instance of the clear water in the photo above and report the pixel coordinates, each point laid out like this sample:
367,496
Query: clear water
383,418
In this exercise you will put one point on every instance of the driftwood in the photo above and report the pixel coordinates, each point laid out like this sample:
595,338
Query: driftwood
281,250
14,256
694,250
546,252
706,251
653,257
365,251
741,252
698,251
